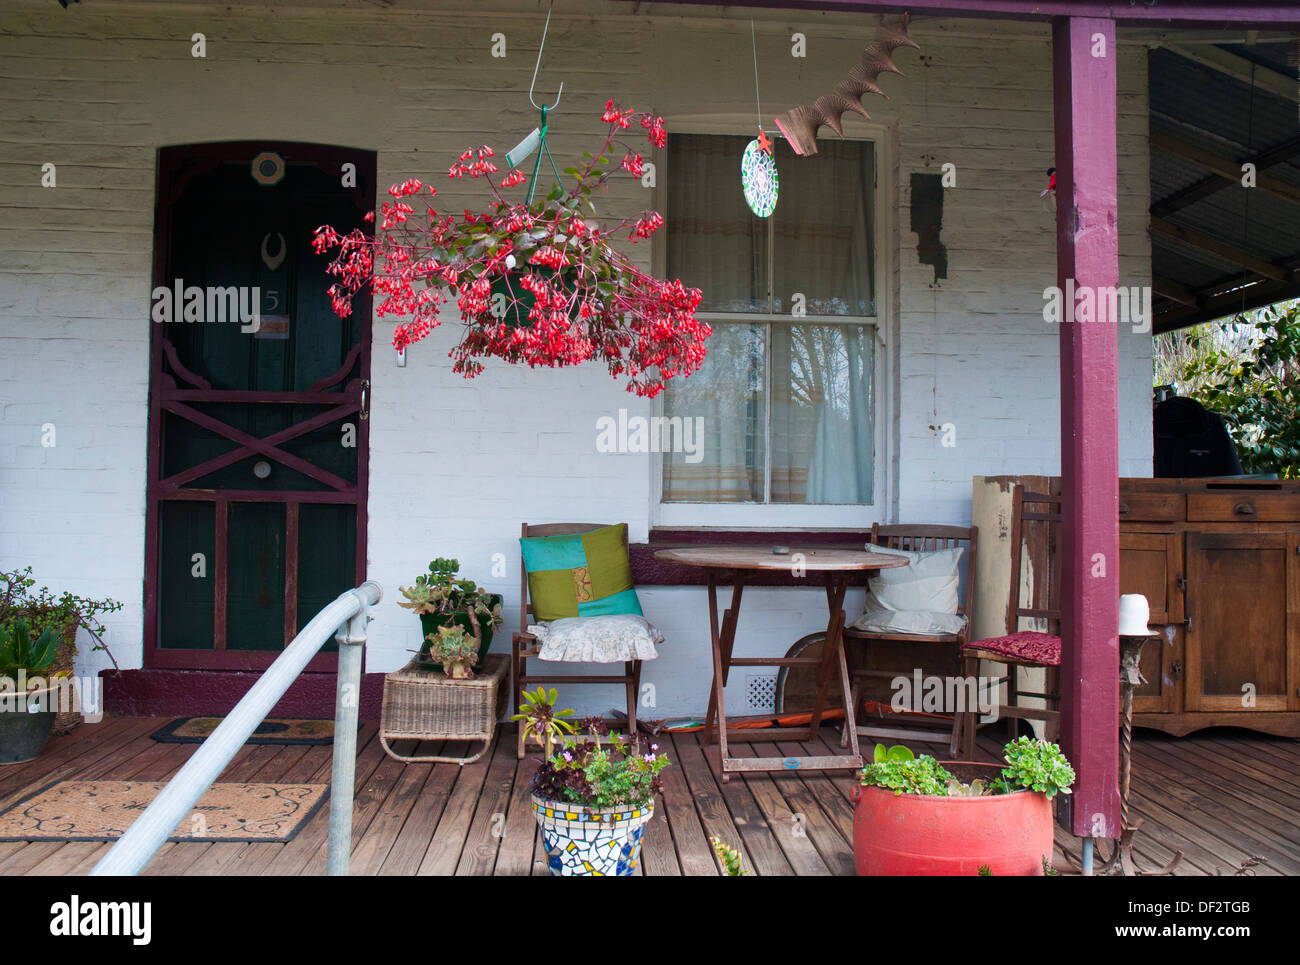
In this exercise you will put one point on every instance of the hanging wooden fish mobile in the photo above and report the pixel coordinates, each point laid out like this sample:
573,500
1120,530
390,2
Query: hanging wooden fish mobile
800,124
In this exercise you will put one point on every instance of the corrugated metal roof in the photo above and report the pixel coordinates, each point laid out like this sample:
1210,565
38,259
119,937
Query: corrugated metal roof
1202,111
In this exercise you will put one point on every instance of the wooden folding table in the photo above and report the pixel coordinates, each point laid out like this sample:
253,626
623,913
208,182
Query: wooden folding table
837,567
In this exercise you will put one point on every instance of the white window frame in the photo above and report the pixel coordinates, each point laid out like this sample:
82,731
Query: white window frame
776,516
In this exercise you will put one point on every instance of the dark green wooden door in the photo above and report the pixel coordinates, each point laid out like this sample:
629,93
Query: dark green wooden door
258,402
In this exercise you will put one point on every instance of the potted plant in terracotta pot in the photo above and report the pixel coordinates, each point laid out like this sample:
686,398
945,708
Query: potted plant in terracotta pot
593,799
442,600
28,700
918,816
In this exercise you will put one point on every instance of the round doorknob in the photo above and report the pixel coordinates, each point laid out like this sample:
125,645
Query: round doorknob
261,469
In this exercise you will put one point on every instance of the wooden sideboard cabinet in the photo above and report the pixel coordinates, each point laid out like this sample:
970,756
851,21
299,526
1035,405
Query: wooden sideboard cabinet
1219,561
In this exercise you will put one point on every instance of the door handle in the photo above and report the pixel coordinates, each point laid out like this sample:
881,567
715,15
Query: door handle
365,398
1244,509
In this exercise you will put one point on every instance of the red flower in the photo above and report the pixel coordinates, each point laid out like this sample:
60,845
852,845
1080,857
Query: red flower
632,164
586,298
654,125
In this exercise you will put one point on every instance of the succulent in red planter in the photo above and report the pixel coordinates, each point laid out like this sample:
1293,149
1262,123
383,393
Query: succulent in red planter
538,282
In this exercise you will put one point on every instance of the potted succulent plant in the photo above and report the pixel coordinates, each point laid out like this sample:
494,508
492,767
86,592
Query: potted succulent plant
456,650
442,600
28,700
594,798
917,816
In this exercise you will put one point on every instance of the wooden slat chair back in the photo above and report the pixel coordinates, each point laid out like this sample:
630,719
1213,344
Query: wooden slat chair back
916,538
1034,599
525,646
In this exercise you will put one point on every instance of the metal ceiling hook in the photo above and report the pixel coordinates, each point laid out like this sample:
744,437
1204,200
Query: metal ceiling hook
540,48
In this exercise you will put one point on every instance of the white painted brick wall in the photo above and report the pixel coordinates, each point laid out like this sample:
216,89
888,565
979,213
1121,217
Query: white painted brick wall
455,465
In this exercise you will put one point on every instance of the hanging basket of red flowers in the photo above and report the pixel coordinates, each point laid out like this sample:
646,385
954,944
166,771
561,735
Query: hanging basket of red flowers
536,282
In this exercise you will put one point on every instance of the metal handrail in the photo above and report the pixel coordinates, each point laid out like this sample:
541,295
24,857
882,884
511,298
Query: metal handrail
348,614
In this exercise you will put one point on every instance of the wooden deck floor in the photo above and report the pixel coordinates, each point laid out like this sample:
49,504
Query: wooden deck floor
1222,798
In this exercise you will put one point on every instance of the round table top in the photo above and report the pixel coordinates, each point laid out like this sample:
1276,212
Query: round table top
762,558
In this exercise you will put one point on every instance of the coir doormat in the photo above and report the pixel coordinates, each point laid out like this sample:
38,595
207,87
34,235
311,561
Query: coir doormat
273,730
103,810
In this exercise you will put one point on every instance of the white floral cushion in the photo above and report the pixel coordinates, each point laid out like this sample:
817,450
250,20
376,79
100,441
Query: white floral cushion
604,639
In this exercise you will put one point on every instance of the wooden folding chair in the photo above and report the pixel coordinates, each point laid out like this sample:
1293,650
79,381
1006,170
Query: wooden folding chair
914,538
1034,595
524,645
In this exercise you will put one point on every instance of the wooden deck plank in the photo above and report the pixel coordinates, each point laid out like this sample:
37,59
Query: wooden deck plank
370,853
795,818
690,841
313,767
292,857
70,761
1238,823
713,803
821,787
78,857
444,850
761,844
122,763
212,858
180,857
1168,826
1260,805
519,836
110,732
483,838
412,841
1260,757
1264,784
658,854
366,805
1220,798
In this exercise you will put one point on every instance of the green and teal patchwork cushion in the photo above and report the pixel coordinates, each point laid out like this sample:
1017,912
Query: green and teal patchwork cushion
580,575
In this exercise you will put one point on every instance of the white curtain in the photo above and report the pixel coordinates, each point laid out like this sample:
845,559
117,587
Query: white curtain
821,243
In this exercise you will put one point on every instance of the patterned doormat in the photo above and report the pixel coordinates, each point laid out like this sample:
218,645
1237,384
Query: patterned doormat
103,810
273,730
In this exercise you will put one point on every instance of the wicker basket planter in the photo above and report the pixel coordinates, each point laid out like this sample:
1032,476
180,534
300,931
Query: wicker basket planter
590,841
421,704
69,719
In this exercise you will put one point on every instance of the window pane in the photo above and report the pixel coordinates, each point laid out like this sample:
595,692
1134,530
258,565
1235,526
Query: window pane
825,244
715,243
724,402
823,430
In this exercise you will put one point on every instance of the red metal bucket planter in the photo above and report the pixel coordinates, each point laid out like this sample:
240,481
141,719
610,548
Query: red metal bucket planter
918,834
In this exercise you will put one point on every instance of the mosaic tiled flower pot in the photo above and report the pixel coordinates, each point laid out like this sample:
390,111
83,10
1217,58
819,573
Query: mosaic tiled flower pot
591,841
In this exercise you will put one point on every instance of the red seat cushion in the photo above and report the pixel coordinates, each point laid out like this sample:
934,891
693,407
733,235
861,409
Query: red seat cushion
1027,646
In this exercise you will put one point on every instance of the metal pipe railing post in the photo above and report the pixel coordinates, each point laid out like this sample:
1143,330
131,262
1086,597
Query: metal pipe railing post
347,699
149,831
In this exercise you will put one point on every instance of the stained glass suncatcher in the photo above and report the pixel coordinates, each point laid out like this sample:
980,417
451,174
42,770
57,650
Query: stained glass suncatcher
759,179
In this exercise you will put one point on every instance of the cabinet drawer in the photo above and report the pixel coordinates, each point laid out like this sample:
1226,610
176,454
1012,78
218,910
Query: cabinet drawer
1153,507
1243,507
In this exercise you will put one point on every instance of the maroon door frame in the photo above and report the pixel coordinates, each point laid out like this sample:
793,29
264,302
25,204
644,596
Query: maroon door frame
166,394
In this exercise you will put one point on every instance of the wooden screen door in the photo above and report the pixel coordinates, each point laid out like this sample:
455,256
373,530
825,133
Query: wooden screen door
258,430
